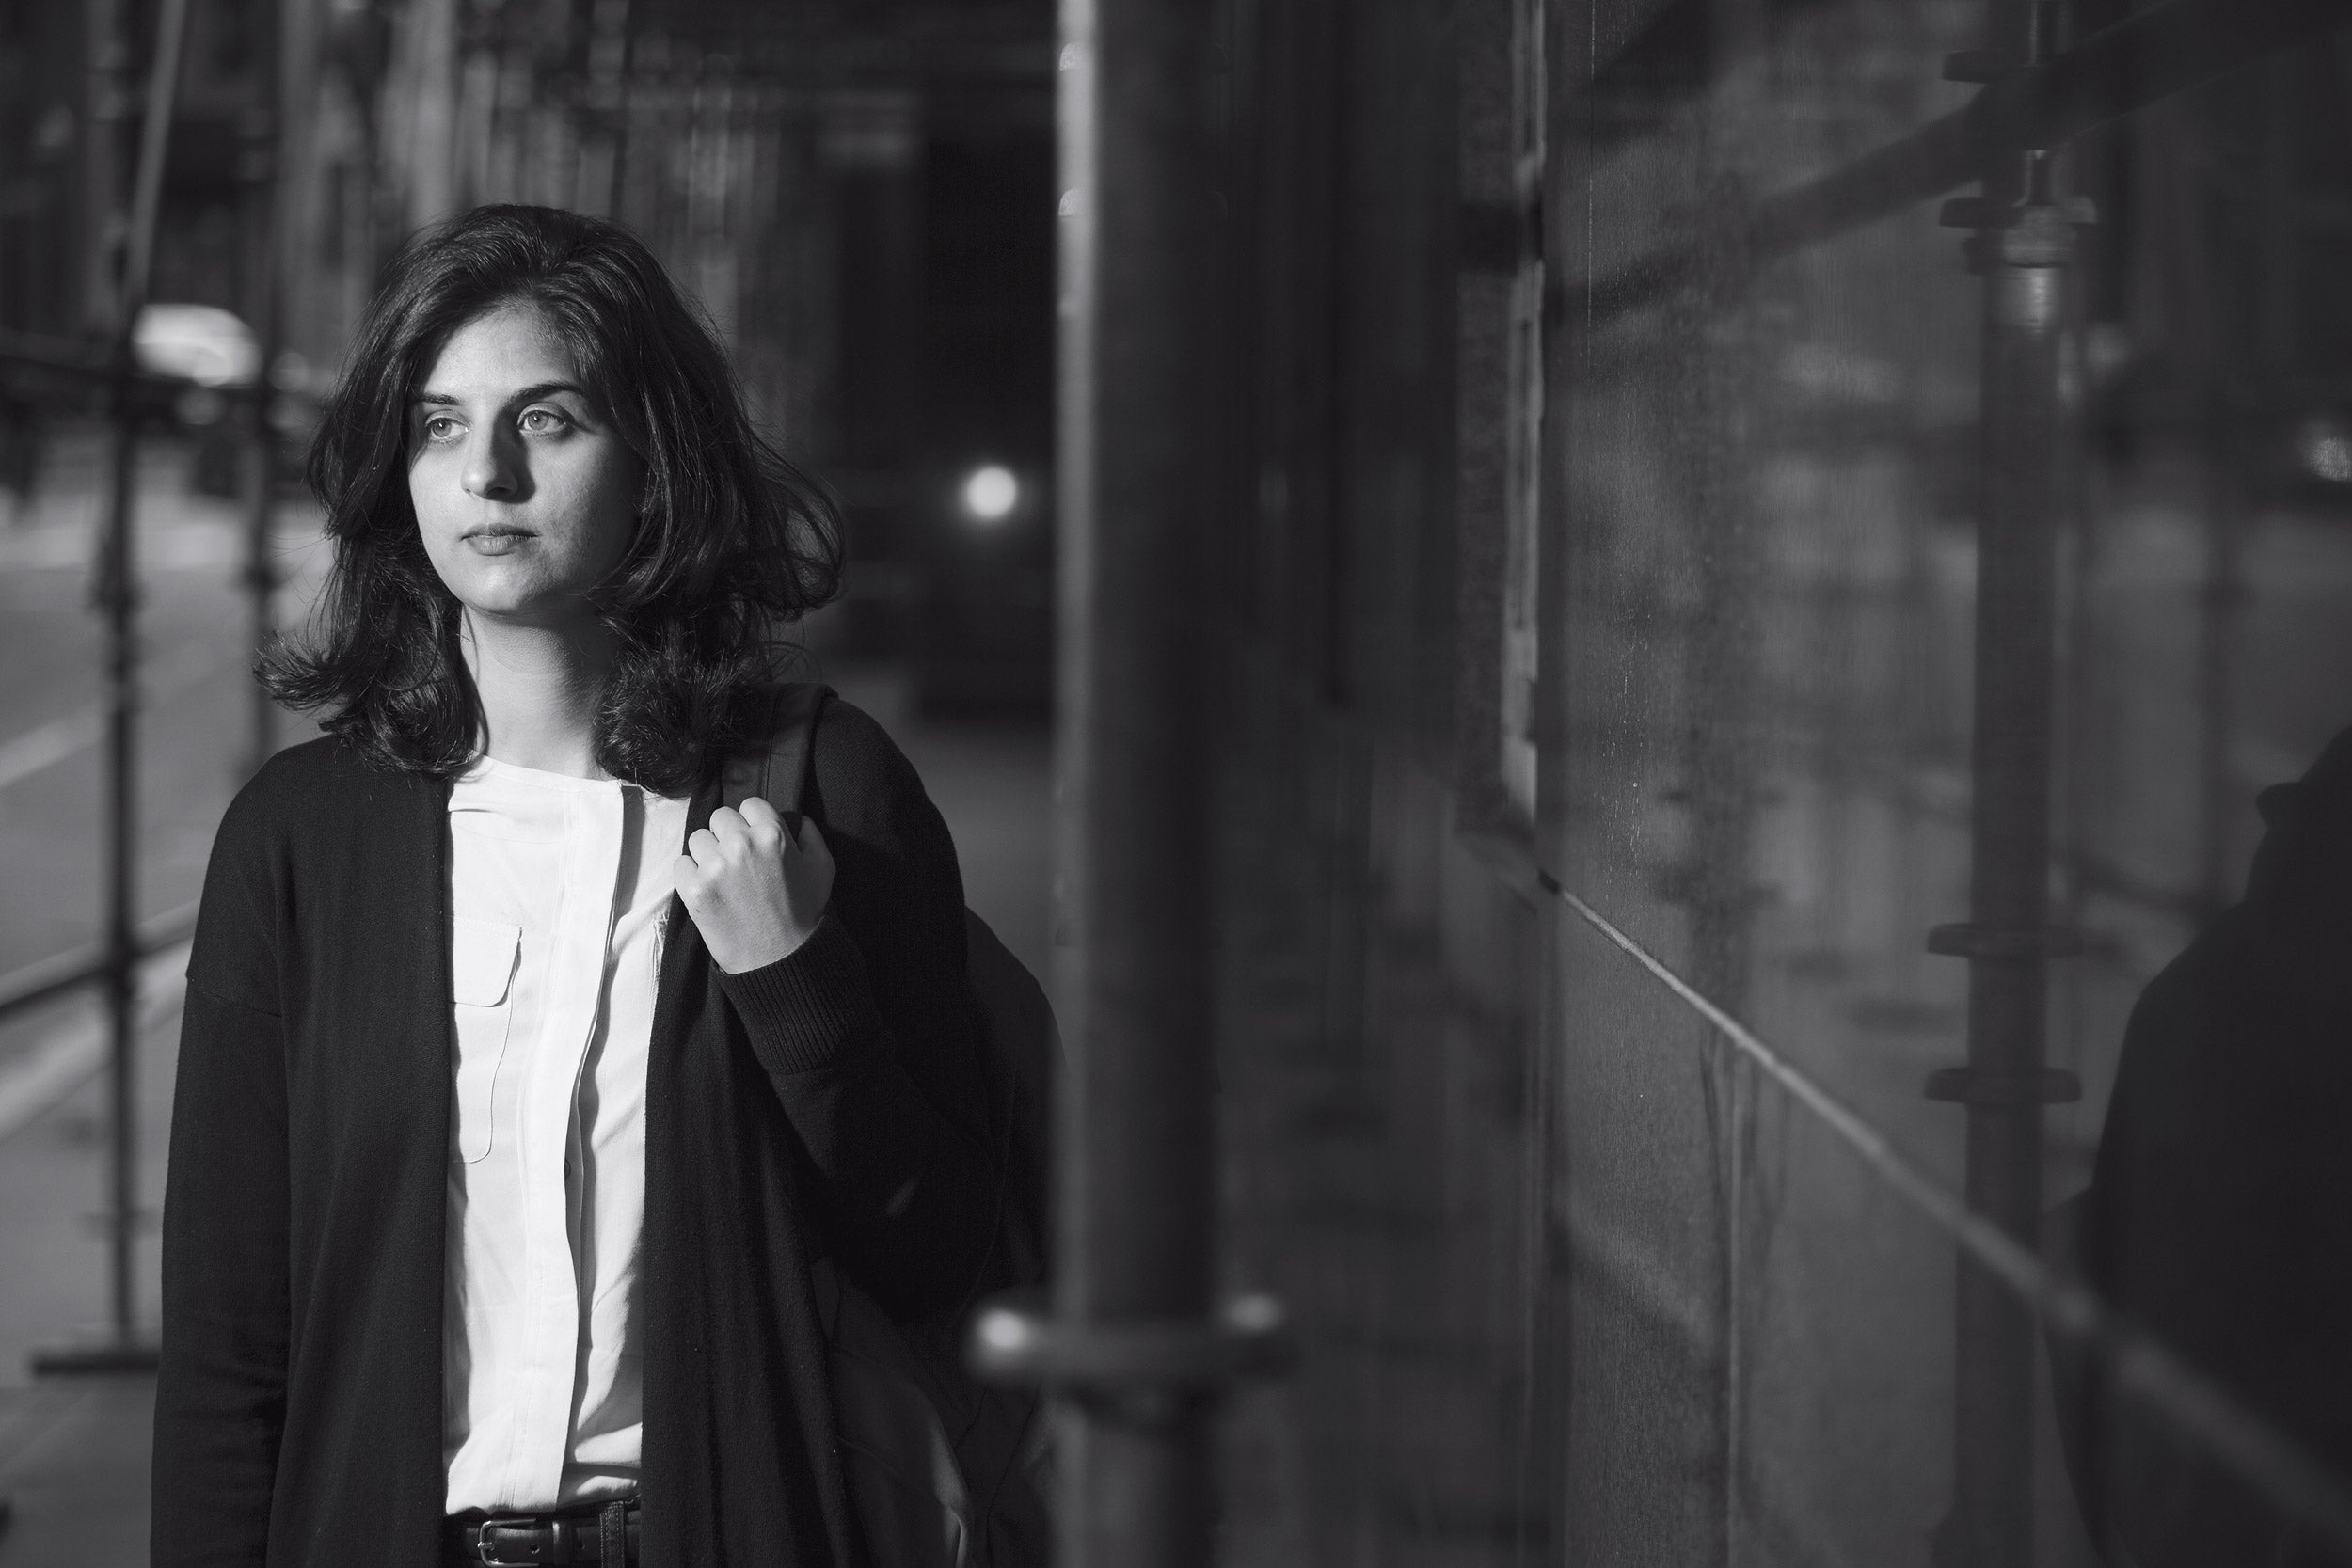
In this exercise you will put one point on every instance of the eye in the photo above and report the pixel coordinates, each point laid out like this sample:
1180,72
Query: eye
440,427
542,422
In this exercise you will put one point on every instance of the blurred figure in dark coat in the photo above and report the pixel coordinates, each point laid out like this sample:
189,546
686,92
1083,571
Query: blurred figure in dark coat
2219,1217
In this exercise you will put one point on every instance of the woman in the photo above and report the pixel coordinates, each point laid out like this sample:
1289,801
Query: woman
494,1191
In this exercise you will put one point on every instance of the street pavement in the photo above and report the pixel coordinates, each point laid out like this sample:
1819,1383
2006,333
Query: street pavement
74,1451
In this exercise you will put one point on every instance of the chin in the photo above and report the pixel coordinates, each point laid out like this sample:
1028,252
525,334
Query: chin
524,611
541,608
487,589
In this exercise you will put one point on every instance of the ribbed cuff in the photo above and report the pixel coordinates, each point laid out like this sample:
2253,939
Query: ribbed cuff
812,1004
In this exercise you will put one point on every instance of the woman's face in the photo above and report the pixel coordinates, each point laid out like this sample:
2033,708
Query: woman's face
525,493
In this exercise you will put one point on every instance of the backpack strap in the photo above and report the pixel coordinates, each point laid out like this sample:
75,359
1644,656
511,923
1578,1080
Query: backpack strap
779,775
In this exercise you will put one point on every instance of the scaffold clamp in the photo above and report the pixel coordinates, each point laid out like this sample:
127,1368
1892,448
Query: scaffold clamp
1015,1342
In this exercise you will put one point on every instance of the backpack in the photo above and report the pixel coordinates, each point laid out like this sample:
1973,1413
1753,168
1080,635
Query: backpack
942,1472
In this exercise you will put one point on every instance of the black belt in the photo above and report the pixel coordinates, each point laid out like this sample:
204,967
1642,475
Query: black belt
600,1533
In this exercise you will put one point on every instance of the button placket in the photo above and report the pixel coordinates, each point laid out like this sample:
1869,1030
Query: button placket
591,861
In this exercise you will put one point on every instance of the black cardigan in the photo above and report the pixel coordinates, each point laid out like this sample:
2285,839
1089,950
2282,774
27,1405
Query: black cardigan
832,1102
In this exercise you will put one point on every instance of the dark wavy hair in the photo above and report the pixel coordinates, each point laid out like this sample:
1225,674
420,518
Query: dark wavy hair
735,543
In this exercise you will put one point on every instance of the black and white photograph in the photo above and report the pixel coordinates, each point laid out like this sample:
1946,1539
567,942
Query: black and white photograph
1176,784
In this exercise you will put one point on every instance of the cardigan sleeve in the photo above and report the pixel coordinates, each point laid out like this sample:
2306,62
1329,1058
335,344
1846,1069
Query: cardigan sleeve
220,1394
870,1036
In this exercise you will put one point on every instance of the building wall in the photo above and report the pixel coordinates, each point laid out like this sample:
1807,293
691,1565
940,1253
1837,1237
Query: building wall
1576,1284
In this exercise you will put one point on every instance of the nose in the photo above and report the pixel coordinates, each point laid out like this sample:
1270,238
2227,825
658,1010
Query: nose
493,467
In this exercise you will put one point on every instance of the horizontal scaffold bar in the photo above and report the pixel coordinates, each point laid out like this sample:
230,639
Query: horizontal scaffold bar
2157,52
60,972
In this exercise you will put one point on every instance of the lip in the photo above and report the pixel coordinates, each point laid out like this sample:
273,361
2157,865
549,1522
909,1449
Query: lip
496,538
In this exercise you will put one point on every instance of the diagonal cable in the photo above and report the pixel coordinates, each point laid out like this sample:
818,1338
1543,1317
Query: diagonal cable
2244,1443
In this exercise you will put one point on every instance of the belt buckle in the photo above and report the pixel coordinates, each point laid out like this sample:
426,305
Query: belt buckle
482,1547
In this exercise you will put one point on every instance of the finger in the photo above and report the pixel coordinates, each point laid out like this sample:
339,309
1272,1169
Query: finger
702,847
726,824
689,877
765,827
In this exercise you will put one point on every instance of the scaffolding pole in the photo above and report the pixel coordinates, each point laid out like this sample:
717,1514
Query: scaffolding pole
123,1348
1133,1346
2022,247
1138,1189
266,153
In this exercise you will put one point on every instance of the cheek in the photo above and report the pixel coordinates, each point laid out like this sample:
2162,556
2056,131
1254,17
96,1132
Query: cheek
434,524
431,495
609,509
442,509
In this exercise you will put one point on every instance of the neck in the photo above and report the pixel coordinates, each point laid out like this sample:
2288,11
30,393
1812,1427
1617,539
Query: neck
538,686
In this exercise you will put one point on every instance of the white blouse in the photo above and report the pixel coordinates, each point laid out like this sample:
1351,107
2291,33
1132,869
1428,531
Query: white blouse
558,887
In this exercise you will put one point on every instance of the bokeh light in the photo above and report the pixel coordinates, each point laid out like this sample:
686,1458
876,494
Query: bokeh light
991,494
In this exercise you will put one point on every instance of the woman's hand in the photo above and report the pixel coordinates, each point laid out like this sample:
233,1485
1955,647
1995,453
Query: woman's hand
754,890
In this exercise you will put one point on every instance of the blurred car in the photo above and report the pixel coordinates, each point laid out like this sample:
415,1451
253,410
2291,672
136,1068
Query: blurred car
202,343
216,351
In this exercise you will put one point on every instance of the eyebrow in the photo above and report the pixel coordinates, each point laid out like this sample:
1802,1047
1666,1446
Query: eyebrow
536,389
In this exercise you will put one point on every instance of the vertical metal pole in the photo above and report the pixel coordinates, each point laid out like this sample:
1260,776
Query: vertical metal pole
106,103
267,201
118,594
2008,897
2022,246
1136,1192
117,602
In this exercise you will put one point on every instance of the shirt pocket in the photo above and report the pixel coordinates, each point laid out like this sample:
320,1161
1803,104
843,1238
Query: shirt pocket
482,975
